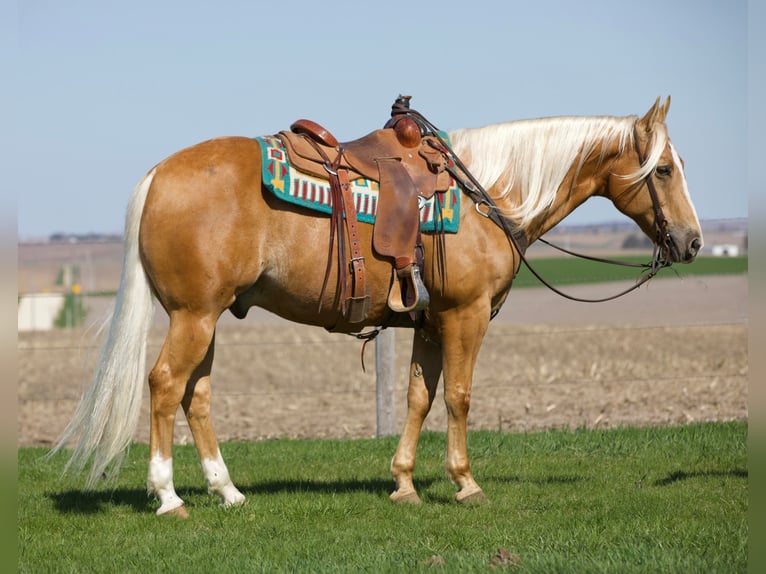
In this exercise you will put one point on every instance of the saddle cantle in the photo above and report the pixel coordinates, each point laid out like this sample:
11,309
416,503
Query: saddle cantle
406,166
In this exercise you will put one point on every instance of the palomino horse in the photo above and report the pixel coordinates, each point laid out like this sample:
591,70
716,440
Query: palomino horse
203,236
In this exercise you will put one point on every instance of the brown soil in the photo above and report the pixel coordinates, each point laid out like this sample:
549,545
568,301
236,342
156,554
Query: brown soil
672,353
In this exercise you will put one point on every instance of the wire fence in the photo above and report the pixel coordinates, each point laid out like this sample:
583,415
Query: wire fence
302,381
44,343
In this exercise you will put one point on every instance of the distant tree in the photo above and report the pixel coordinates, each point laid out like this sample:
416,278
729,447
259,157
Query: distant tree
636,241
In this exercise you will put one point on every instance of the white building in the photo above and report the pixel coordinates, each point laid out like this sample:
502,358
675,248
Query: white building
725,250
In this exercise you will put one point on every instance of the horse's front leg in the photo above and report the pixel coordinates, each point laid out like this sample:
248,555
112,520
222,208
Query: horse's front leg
196,405
463,330
425,369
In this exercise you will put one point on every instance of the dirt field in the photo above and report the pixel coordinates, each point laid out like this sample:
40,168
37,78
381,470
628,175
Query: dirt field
672,353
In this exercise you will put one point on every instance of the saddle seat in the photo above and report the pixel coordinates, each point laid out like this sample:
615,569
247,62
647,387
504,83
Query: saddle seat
424,164
406,166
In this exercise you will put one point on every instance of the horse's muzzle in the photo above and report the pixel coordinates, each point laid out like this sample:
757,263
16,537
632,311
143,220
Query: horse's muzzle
684,247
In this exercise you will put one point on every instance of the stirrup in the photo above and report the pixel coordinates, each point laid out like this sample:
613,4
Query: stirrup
408,293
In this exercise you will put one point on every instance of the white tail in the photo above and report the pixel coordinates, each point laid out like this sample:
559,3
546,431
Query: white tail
107,415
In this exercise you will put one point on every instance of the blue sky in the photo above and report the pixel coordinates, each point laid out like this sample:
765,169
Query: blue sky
104,90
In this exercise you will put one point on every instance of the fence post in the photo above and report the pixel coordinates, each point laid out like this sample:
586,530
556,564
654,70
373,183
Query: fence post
385,381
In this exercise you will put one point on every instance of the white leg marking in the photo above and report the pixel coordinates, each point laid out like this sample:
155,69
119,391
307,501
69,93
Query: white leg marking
219,482
159,482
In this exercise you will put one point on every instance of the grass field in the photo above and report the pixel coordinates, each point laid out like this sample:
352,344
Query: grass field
626,500
570,270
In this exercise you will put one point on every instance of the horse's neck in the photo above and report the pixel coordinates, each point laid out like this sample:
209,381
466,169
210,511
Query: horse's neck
548,152
568,198
578,186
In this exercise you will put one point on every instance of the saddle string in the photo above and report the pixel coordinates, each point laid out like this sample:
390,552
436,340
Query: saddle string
519,240
440,248
335,229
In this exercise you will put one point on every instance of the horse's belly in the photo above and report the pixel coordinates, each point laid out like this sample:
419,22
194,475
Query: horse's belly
295,270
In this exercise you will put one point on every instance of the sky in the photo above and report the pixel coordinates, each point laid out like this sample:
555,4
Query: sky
103,91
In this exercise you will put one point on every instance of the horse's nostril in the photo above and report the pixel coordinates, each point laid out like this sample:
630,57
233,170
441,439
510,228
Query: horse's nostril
694,247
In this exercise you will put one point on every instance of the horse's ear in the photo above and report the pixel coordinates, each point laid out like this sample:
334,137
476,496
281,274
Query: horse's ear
664,110
654,115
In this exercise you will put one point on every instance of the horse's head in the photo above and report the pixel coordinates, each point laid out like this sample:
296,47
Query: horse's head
647,184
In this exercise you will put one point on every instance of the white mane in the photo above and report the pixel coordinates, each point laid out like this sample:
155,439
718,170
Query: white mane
536,155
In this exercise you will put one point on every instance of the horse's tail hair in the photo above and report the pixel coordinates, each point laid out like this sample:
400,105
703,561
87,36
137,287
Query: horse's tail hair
103,425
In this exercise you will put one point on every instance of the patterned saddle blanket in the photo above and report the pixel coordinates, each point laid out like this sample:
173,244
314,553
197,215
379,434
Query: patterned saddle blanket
440,213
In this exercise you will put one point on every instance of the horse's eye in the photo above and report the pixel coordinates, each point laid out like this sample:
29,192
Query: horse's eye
664,170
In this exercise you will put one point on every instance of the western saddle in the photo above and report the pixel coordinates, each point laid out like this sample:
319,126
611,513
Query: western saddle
408,165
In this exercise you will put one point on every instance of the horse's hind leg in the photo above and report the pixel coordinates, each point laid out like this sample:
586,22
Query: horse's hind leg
425,369
181,361
196,405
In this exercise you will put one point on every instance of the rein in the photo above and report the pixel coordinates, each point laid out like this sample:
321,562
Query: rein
518,239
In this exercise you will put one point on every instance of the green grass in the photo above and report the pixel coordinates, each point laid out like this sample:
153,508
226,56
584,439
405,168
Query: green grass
628,500
571,271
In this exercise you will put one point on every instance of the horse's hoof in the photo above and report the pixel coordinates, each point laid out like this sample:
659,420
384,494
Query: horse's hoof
408,497
178,512
233,503
472,498
232,498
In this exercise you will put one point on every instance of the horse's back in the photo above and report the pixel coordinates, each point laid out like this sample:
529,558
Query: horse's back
212,236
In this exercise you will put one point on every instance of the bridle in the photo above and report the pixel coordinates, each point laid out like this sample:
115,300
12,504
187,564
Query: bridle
663,239
487,207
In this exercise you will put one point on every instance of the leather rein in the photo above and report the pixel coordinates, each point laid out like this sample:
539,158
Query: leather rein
518,239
